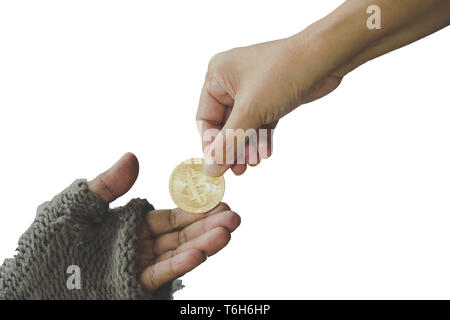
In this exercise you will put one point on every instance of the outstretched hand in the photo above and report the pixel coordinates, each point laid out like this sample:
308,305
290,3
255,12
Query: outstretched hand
251,88
171,242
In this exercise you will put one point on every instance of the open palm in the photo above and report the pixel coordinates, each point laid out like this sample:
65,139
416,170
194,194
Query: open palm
171,242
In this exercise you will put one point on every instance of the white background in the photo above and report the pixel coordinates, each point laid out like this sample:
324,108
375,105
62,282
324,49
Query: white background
353,204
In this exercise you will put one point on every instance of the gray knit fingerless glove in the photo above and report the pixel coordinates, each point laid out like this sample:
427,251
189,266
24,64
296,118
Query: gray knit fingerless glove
77,229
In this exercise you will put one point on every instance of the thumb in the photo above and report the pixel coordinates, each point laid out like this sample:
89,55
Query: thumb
223,152
117,180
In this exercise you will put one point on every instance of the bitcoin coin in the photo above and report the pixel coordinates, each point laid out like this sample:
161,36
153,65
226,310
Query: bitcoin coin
192,190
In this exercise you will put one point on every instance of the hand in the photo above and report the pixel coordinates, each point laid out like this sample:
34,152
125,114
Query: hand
252,88
172,242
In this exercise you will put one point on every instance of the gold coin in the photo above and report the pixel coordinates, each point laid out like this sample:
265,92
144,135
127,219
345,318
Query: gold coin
192,190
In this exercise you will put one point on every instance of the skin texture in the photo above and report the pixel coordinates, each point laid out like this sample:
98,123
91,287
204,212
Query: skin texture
172,242
253,87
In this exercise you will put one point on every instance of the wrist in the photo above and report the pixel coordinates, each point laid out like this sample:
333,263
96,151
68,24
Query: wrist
330,43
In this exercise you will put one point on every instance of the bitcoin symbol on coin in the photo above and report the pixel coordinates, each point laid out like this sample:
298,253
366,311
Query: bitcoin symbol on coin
192,190
197,186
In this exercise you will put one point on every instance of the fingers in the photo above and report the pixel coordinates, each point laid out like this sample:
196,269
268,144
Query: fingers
251,154
152,243
216,90
237,141
219,118
212,113
117,180
213,110
256,149
210,243
163,221
213,103
215,170
158,274
170,241
209,109
203,235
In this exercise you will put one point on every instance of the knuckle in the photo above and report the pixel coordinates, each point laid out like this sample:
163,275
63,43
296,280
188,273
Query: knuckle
215,61
182,238
173,219
172,269
220,63
194,257
105,188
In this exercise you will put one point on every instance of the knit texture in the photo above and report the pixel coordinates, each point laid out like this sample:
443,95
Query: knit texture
76,228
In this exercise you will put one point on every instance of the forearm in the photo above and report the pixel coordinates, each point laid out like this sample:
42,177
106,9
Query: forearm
343,38
435,19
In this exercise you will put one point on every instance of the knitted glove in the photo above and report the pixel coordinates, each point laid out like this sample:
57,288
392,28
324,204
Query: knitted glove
77,229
